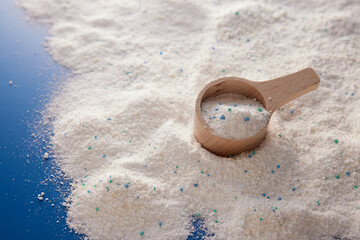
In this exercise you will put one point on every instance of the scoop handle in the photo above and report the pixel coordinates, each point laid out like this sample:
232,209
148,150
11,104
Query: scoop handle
279,91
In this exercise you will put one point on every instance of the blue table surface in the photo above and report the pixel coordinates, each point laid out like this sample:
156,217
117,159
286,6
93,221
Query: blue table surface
25,62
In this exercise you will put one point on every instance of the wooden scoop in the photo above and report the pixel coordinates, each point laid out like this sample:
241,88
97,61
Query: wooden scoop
272,94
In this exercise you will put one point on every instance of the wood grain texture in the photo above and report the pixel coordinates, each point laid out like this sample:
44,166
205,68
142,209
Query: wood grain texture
280,91
272,94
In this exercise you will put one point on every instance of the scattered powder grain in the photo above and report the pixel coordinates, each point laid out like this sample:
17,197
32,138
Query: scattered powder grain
234,116
123,122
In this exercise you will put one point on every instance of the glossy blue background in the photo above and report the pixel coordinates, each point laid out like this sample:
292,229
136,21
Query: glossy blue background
23,171
24,61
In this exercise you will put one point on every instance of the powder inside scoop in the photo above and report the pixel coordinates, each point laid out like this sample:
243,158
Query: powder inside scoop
234,116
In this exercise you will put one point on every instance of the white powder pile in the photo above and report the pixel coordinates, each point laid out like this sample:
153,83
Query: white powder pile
234,116
123,123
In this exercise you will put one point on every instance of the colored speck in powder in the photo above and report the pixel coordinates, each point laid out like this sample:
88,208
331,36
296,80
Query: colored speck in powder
88,191
216,221
223,70
89,148
216,109
213,48
174,171
141,233
154,188
126,185
235,198
222,117
97,209
235,105
355,186
261,219
337,176
336,141
279,135
268,197
278,166
214,210
83,184
202,172
348,173
110,181
293,189
246,119
104,156
245,171
264,194
249,156
325,29
279,198
160,224
253,152
181,189
248,40
272,171
318,203
229,109
127,73
291,111
196,184
160,53
109,119
95,137
259,109
236,13
181,70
